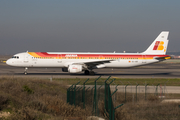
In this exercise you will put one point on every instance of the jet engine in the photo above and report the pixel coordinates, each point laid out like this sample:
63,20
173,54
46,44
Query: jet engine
75,68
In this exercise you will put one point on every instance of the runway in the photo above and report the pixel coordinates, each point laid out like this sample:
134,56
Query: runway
158,70
141,89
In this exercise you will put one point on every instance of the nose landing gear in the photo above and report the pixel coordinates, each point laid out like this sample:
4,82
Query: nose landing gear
25,71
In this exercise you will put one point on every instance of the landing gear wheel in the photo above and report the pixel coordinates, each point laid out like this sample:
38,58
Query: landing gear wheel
91,72
86,72
25,71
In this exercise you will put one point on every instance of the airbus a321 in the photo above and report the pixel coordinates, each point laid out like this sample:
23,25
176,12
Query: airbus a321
76,62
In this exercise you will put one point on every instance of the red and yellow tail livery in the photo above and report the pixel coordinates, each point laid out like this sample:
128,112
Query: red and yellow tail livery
159,46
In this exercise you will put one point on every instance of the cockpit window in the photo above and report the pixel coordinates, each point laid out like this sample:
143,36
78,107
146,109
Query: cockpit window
16,57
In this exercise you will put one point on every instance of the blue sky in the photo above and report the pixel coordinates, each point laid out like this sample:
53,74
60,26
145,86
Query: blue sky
88,26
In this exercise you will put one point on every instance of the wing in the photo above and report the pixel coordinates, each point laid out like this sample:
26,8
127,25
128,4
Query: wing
92,64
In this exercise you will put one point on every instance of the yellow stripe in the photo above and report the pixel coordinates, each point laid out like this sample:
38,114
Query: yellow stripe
34,54
167,58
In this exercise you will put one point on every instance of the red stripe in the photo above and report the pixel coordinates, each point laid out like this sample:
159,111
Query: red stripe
44,54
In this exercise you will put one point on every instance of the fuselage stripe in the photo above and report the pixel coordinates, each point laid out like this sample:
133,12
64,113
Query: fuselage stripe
91,56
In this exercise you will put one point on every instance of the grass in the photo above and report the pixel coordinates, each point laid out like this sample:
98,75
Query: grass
31,98
124,81
149,111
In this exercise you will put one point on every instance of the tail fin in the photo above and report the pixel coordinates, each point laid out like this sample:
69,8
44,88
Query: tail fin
159,46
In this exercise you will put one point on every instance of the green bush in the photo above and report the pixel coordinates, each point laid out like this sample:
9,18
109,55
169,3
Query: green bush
28,90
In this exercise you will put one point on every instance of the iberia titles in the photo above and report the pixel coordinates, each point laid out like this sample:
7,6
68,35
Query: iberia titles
71,55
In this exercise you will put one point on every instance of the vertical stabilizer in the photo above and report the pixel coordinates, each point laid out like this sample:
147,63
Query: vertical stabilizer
159,46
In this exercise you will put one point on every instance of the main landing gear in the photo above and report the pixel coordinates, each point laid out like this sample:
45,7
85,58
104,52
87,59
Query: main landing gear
87,72
25,71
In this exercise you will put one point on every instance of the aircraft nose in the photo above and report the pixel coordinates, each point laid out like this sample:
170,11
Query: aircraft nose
8,62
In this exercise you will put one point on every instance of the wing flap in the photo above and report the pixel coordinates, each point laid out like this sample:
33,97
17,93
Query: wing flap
94,63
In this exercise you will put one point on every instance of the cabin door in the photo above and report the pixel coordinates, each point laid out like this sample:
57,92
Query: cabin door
59,58
143,58
100,57
26,58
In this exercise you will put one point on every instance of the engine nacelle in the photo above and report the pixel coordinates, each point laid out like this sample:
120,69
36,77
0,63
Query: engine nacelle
75,68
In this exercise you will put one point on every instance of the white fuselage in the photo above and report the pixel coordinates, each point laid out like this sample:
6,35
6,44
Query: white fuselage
120,61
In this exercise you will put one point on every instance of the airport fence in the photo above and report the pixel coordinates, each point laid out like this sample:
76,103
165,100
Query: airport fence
138,92
97,98
102,98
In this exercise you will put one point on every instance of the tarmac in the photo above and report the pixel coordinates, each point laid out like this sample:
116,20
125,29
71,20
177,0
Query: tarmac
169,69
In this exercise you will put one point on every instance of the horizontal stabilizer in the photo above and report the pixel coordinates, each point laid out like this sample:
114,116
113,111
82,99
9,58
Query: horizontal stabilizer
162,58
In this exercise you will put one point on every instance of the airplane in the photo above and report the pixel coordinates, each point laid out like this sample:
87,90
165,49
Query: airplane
77,62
